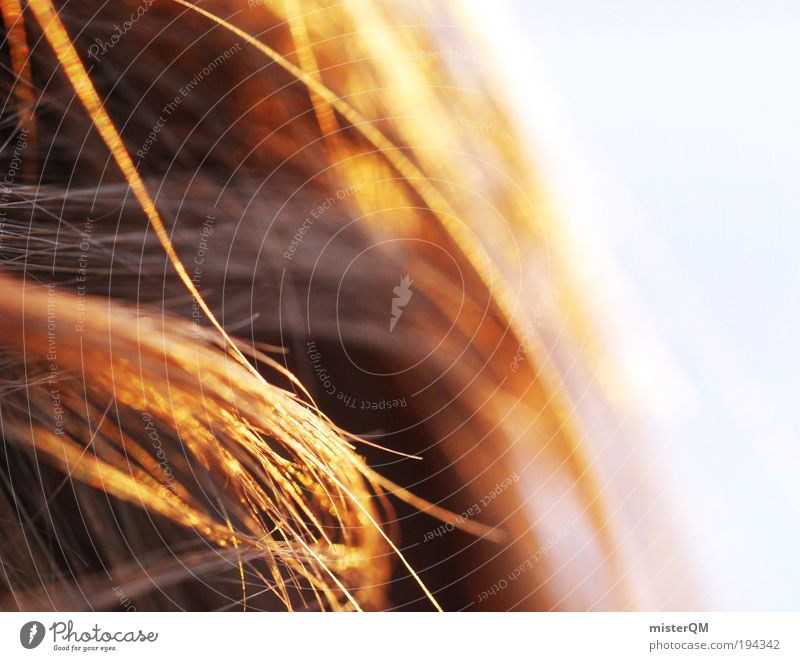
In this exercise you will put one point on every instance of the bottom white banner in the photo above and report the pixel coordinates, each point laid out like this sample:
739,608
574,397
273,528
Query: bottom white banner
137,635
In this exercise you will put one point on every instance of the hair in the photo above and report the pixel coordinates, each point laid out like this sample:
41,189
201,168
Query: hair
279,285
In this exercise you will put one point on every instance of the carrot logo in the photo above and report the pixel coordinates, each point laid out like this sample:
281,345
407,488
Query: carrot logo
31,635
402,295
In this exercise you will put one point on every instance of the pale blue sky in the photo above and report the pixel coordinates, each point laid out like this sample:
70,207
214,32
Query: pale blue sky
690,110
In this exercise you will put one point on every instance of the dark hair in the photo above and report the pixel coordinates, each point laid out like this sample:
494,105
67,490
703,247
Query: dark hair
226,238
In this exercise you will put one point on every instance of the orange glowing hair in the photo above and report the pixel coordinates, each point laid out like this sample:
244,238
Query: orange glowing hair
211,205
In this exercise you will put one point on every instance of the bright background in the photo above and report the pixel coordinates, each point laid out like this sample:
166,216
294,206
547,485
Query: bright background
671,138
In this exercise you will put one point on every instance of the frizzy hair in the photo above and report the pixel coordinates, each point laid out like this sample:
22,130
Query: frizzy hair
208,206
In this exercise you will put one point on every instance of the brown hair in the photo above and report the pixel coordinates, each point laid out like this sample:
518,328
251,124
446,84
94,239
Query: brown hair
235,230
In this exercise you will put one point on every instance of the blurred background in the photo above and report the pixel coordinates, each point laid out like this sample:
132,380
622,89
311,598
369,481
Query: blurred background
668,137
